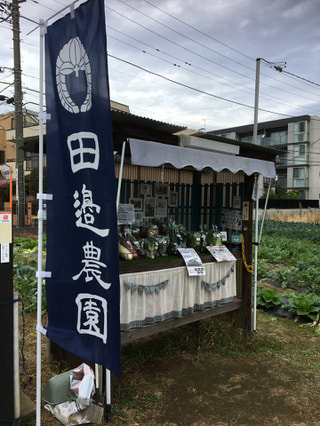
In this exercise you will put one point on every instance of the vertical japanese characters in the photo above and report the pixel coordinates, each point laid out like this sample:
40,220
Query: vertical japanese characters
84,153
83,293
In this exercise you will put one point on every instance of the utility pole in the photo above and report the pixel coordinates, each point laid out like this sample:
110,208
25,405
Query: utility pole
18,114
12,16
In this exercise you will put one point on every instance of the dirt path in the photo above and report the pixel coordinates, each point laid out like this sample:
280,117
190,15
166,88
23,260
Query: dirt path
209,376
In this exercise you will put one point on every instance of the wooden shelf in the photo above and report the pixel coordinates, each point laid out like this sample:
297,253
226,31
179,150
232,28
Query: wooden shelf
149,330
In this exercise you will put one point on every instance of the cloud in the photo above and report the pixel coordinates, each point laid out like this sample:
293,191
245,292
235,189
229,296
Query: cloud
204,54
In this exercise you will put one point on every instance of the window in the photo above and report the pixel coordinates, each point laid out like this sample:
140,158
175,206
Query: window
300,132
300,178
299,154
282,178
282,159
299,172
32,161
277,138
299,127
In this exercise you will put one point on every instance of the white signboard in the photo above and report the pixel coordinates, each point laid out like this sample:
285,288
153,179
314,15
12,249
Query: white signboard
193,262
5,227
126,214
5,253
231,219
221,253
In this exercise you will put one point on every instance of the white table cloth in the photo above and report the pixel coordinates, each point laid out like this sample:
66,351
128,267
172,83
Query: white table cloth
153,296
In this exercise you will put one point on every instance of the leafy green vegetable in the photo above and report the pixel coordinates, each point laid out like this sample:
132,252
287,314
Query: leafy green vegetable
269,298
26,283
304,305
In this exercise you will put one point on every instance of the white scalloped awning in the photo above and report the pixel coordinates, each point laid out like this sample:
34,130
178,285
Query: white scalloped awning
154,154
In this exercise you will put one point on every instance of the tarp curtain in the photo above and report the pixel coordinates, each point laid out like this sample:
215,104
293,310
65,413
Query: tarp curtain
154,154
83,294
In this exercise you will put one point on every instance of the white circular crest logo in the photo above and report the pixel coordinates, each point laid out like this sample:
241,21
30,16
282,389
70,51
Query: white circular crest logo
72,59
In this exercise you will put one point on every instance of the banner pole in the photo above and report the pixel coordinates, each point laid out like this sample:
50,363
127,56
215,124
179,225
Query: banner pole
108,374
40,230
108,396
264,211
120,174
256,253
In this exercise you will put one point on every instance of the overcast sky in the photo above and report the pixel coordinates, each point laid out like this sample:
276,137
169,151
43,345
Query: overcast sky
193,63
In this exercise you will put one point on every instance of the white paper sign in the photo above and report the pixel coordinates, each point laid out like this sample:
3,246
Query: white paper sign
221,253
5,253
231,219
193,262
126,214
5,227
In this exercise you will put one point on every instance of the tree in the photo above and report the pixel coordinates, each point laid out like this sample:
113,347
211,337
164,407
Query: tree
293,194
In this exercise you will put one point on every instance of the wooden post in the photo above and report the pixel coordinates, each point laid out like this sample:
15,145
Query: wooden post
247,275
196,202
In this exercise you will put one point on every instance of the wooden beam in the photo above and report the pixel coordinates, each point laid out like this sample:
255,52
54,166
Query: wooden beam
246,275
138,333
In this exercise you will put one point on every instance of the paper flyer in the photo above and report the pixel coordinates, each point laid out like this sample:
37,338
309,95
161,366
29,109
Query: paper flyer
221,253
193,262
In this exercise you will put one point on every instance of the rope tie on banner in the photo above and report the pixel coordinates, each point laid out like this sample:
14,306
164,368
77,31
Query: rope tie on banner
249,268
23,329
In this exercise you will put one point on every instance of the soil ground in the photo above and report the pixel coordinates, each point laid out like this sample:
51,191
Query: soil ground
208,374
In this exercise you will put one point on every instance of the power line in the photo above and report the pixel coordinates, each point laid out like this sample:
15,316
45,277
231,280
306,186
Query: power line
188,69
194,89
281,89
43,5
185,36
301,78
199,31
190,66
202,33
179,45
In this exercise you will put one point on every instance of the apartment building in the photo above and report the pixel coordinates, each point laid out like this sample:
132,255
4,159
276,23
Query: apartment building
298,139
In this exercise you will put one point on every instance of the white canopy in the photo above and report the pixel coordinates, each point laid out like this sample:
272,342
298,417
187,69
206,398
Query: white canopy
154,154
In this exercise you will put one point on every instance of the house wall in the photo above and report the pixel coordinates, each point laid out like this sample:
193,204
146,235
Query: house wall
314,159
6,146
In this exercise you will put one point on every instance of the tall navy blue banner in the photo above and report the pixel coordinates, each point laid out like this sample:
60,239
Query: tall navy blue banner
83,294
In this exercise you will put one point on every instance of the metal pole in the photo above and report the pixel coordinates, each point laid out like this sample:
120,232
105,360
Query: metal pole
20,187
256,253
264,211
255,135
120,174
108,396
40,229
256,102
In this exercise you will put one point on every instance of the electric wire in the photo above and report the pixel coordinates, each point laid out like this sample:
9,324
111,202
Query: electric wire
177,44
237,87
198,54
190,67
181,66
186,37
194,89
189,38
199,31
186,68
301,78
158,21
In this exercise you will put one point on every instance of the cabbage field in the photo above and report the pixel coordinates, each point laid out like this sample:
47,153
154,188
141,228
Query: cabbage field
289,257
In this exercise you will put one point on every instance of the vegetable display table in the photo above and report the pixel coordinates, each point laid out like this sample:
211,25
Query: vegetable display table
153,296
